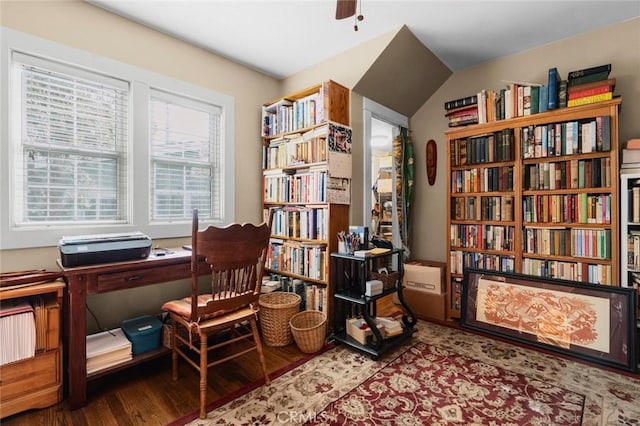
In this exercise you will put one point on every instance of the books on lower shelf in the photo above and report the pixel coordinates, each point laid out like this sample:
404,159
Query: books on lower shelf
107,349
18,331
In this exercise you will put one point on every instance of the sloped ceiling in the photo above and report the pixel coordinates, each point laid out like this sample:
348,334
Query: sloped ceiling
404,76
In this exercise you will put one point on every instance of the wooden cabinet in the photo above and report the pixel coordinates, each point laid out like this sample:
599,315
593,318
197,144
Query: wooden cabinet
535,194
353,304
35,382
306,142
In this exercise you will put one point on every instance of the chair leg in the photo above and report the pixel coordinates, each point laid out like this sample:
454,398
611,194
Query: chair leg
203,375
174,352
258,342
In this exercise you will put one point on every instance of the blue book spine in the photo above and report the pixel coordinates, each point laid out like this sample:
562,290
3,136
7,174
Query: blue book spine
554,86
544,98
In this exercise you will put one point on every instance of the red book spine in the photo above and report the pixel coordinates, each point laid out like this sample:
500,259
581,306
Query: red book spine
590,92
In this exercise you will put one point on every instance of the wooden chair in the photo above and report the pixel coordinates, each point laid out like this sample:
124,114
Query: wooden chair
228,308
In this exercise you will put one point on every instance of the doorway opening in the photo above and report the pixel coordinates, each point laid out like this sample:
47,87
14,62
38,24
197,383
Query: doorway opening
381,126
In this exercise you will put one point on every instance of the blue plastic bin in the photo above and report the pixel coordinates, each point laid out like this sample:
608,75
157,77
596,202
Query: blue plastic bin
145,333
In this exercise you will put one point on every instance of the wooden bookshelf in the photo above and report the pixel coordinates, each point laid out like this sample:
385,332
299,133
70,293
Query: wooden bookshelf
306,142
519,204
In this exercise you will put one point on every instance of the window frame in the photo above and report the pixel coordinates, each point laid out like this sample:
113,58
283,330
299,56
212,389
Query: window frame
141,82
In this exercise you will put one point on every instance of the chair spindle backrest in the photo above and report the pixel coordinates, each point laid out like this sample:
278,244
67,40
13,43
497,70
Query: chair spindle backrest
235,255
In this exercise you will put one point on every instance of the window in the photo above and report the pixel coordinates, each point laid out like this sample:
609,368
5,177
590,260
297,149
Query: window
94,146
185,152
71,158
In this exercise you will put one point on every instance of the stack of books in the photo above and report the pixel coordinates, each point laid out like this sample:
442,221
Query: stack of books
590,85
462,112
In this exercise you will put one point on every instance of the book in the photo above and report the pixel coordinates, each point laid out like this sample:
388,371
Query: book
535,99
633,144
544,98
611,82
589,92
456,103
562,94
589,78
590,99
588,71
553,86
370,252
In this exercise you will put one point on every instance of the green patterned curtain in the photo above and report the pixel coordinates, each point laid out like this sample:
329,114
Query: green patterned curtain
403,166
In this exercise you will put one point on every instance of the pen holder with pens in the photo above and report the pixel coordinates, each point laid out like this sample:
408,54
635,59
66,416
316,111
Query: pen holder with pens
348,243
342,247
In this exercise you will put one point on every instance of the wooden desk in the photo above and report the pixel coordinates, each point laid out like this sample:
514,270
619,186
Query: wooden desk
103,278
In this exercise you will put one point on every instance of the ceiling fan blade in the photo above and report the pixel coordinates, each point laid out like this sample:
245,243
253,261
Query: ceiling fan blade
345,8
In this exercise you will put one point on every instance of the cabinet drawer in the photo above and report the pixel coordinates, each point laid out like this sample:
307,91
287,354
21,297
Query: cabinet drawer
141,277
29,375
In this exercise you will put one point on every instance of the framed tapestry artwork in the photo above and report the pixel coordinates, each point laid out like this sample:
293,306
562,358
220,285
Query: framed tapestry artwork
593,322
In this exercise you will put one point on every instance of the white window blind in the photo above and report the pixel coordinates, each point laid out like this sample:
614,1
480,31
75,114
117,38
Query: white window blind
71,161
185,146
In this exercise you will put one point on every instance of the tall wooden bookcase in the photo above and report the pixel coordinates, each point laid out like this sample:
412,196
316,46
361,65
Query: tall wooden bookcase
306,141
535,194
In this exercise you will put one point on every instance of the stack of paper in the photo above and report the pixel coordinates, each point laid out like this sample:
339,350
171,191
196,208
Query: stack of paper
18,331
391,326
107,349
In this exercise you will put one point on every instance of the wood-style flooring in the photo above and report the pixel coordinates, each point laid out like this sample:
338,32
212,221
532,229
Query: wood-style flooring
146,395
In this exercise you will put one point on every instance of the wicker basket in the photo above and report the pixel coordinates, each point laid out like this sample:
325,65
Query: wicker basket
388,280
309,330
276,309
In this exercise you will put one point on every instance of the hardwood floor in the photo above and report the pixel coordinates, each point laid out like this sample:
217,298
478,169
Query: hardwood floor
146,395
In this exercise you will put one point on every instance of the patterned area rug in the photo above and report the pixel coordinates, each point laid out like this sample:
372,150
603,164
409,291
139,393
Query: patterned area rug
430,385
443,376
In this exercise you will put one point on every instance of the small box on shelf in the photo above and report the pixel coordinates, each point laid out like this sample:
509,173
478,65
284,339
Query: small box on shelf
359,330
144,333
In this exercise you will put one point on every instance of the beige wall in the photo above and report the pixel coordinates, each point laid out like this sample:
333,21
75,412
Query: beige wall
83,26
618,45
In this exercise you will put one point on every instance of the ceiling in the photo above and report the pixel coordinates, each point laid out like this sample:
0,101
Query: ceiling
282,37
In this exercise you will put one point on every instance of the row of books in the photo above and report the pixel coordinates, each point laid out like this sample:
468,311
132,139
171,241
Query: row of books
493,147
574,271
294,150
569,174
633,250
592,243
493,208
486,237
490,179
288,115
518,99
567,208
299,258
300,222
633,195
568,138
458,260
314,297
